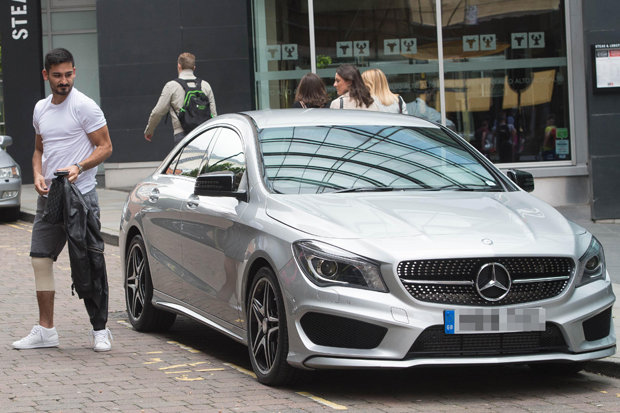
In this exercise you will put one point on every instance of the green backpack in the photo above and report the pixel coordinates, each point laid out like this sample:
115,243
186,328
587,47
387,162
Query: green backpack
196,108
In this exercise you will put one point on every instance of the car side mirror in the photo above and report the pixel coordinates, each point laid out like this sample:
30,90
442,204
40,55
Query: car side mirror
218,184
5,141
524,180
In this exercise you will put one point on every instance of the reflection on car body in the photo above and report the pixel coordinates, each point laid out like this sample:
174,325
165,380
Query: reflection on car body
10,182
342,239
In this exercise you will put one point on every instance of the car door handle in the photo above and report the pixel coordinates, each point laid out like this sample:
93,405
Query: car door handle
154,195
192,202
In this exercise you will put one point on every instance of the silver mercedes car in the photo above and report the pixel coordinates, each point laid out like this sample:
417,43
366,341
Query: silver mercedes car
10,183
328,239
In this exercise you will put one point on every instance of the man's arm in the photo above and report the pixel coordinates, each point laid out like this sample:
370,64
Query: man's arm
37,168
206,87
159,111
103,149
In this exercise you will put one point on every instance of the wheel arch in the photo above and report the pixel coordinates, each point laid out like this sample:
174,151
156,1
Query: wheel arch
259,262
131,232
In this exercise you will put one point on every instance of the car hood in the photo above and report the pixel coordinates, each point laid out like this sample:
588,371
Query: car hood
508,221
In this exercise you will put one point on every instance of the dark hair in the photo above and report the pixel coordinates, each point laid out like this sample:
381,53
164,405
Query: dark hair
56,57
311,91
357,90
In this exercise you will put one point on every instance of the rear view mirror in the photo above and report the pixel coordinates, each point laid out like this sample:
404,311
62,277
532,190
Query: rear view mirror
218,184
5,141
524,180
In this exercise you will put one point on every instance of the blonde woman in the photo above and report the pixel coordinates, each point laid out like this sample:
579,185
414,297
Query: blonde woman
377,84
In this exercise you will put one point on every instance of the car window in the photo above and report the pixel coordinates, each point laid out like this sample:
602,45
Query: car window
189,159
317,159
227,155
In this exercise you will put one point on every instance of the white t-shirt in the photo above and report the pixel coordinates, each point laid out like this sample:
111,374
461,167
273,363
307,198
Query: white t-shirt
64,130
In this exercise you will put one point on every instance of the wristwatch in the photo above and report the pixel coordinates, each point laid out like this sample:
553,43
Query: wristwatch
79,167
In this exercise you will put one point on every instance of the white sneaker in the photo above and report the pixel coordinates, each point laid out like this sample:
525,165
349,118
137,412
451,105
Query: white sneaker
102,340
39,337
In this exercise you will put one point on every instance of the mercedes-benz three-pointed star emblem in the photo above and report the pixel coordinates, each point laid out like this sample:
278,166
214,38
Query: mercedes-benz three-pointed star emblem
493,281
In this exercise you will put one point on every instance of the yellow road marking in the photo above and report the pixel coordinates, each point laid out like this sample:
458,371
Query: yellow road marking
124,323
176,366
153,361
20,227
178,372
198,363
184,347
213,369
241,369
185,378
322,401
154,352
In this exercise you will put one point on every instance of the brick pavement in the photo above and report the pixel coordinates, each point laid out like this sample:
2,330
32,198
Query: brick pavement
193,368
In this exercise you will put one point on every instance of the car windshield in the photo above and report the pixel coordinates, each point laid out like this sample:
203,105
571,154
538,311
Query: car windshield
322,159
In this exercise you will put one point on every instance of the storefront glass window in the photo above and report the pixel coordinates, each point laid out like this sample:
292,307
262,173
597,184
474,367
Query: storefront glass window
504,64
398,37
282,50
506,78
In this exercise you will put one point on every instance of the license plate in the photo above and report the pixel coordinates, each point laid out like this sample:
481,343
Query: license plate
493,320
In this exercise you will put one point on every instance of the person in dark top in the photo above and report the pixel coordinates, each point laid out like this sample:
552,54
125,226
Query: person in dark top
311,93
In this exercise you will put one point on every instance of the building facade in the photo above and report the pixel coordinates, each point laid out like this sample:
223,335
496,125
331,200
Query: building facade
530,83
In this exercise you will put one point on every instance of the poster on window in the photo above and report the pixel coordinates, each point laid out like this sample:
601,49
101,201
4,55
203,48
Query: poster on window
606,66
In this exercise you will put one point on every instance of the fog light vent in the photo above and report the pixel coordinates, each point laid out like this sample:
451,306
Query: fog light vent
333,331
597,327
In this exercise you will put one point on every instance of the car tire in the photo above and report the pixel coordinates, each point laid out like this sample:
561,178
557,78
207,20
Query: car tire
558,369
139,291
10,214
267,331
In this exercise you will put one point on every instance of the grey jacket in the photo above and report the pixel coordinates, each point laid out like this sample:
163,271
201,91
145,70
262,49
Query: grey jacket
171,100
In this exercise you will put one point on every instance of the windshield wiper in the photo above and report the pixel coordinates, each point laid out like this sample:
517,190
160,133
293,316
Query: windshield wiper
364,189
470,187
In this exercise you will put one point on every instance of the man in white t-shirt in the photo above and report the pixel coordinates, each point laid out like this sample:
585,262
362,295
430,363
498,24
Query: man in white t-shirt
71,134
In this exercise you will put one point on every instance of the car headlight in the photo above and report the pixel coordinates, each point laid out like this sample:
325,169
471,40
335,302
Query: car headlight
327,265
592,264
9,172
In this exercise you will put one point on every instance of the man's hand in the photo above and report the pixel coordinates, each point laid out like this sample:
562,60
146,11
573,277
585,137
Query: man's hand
148,137
40,186
73,170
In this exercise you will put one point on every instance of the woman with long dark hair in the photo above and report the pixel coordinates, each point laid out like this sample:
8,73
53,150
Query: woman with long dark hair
311,92
352,92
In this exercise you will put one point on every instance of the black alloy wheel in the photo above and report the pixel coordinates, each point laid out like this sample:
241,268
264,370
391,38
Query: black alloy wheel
139,291
267,331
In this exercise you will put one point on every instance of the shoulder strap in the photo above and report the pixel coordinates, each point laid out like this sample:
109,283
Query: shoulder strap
186,87
341,103
400,104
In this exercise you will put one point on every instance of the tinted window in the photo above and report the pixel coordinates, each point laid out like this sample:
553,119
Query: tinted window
331,158
191,156
227,155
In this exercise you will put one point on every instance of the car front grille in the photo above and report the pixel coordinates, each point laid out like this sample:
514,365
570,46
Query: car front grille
452,281
434,342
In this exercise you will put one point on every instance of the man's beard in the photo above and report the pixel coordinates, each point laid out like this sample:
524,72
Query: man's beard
64,91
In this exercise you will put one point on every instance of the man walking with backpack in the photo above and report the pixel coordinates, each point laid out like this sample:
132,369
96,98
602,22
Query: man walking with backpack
188,99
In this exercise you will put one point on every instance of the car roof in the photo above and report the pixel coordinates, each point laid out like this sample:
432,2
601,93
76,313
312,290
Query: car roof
274,118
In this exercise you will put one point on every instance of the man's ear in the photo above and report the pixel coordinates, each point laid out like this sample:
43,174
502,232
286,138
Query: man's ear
44,73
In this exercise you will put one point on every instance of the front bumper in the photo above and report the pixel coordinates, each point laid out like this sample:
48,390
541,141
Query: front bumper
390,324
